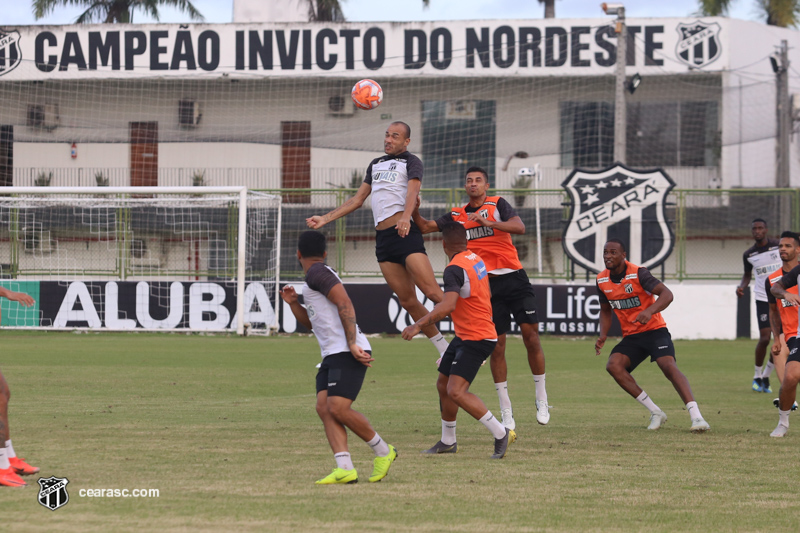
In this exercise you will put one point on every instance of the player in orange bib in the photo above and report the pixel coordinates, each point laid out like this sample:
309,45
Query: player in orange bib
783,316
628,290
785,289
467,299
490,221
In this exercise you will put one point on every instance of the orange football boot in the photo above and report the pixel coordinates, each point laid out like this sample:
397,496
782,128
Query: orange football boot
9,479
22,468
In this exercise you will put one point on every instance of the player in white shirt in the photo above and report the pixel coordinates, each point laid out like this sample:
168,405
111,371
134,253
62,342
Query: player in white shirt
346,354
763,258
394,181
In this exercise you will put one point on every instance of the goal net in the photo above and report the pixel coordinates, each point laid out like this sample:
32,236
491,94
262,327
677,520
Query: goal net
143,258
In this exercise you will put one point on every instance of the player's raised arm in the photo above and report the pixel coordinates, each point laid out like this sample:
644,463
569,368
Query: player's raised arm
439,311
350,205
20,297
289,295
425,225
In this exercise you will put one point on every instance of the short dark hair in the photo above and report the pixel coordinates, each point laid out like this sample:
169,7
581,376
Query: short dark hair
791,235
759,220
470,170
454,233
406,126
311,244
618,241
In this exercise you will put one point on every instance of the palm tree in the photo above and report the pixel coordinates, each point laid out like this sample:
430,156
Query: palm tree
550,8
331,10
110,11
783,13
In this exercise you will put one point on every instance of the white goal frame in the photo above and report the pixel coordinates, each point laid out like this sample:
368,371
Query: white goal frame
242,193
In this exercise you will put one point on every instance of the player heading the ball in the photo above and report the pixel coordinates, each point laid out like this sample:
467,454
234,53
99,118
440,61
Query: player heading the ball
395,180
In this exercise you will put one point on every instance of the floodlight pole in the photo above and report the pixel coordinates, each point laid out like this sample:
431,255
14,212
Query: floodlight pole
784,115
620,111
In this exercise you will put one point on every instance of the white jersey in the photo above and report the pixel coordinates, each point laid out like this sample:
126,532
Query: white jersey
388,176
324,315
764,260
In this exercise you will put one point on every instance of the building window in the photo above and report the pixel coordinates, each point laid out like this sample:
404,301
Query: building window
456,135
659,134
587,134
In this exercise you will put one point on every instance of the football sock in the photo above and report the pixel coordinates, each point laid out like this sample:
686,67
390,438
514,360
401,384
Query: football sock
645,400
768,368
541,391
343,460
759,370
10,449
493,425
502,393
694,411
448,432
4,459
783,418
379,446
440,343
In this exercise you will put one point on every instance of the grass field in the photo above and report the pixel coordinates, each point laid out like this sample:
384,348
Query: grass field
225,428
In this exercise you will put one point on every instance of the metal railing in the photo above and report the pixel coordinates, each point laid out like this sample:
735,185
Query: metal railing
711,230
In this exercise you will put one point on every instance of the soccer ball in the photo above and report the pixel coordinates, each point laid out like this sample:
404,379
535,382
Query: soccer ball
367,94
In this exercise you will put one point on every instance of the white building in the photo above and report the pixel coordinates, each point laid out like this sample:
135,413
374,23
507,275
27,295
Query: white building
266,105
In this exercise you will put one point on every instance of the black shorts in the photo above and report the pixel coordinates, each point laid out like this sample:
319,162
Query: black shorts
464,358
762,314
341,375
512,294
794,349
389,246
656,343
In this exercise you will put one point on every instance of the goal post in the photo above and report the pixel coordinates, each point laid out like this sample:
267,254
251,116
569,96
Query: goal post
142,258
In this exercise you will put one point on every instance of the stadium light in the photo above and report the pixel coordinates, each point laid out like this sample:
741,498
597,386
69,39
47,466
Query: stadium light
519,155
613,8
620,115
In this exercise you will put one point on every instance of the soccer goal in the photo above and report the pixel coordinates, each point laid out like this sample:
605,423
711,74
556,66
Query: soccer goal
141,258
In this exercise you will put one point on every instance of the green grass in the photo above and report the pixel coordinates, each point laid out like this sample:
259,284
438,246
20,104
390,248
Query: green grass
225,428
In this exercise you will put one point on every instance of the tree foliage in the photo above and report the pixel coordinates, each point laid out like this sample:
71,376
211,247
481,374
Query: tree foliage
111,11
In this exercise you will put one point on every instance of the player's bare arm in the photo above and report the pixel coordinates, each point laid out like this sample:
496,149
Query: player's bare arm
425,225
20,297
412,194
605,325
347,314
350,205
742,284
289,295
779,292
440,310
513,225
776,326
665,298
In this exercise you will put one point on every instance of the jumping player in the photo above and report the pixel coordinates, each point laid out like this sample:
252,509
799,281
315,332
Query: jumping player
490,221
628,290
786,289
395,180
468,301
11,466
346,354
783,317
763,257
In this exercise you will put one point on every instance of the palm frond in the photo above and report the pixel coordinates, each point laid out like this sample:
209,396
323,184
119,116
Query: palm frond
714,8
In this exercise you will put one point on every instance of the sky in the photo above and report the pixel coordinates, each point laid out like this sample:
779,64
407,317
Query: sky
19,12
